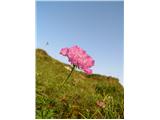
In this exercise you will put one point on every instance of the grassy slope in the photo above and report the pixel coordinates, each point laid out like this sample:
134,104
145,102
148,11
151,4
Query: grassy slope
78,97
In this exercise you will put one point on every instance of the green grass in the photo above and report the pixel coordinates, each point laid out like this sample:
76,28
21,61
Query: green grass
78,97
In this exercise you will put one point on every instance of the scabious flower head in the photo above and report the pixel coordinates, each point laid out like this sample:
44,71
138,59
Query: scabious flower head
78,57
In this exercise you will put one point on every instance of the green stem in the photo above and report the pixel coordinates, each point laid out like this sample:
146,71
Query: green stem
82,115
68,75
94,114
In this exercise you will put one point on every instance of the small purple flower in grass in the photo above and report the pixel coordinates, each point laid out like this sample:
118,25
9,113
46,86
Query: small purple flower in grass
78,58
100,104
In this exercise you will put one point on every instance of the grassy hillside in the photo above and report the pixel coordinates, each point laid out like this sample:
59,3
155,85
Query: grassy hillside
82,96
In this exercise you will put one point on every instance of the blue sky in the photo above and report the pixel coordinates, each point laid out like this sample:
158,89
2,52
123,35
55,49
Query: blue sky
97,27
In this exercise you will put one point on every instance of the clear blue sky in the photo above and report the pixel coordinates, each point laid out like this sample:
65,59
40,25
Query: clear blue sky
97,27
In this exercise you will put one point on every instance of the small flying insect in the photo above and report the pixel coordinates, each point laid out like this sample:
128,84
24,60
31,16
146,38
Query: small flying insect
47,43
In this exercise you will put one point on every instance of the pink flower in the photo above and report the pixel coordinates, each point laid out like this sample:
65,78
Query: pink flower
78,57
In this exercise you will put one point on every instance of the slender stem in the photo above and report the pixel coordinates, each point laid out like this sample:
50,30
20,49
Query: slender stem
68,75
94,114
82,115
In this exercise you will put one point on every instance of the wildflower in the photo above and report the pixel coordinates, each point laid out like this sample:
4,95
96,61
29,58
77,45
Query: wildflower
78,58
100,104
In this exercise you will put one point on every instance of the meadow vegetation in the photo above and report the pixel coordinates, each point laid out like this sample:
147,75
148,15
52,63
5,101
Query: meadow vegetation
82,96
